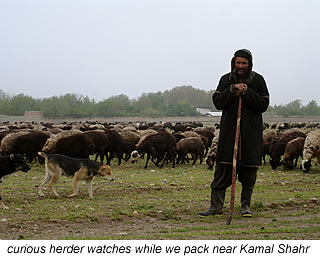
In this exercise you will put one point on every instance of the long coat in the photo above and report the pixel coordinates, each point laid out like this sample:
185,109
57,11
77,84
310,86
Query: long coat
254,102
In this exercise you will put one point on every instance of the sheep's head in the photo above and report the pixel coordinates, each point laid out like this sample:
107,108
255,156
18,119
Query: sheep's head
287,165
135,156
274,163
210,161
306,165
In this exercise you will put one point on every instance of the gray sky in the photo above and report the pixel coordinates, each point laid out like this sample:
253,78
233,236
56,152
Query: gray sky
103,48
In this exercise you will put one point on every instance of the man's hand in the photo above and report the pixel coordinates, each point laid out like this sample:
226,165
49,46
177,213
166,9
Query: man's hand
239,89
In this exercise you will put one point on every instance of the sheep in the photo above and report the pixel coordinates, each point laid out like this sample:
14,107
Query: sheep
204,139
207,133
115,146
294,149
100,142
310,149
158,146
178,127
192,145
128,148
178,136
25,143
51,142
73,144
167,125
268,136
211,157
130,136
9,138
279,143
130,128
145,132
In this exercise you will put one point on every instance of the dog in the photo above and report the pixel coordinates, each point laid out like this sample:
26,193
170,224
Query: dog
79,169
10,164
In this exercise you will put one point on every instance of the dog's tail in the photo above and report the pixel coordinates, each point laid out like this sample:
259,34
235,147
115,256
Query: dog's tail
43,154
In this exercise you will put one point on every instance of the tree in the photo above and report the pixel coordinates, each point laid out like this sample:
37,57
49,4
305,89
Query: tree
114,106
4,103
196,97
78,105
182,109
312,109
18,104
54,107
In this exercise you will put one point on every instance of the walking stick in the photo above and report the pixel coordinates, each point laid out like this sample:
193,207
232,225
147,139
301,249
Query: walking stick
234,162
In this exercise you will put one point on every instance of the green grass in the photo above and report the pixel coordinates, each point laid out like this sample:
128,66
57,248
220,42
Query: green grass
158,203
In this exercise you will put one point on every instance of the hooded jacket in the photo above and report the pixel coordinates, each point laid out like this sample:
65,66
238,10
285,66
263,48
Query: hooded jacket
254,102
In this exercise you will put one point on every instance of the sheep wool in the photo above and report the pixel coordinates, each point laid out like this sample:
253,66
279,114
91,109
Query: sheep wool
311,145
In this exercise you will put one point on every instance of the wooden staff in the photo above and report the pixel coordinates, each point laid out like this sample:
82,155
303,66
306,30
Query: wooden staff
234,162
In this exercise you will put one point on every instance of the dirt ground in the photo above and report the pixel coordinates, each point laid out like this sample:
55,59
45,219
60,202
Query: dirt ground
155,228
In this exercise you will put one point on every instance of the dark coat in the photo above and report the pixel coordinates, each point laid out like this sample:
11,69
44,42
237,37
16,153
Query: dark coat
254,102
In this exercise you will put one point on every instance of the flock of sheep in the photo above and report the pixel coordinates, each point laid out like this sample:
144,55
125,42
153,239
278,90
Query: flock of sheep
285,144
161,143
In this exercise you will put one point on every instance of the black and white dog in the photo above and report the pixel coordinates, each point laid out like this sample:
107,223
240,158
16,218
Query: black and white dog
10,164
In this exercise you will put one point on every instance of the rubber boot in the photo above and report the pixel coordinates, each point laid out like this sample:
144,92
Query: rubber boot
217,201
245,201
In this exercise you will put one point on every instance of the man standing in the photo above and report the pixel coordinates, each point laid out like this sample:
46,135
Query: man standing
242,80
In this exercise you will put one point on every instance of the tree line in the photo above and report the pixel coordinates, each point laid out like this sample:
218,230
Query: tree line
179,101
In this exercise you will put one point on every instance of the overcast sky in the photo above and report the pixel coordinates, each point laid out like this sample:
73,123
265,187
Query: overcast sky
103,48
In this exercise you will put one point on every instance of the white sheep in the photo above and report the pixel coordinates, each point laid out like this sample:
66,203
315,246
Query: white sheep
311,146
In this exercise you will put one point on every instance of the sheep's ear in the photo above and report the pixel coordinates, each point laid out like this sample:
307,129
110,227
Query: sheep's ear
11,156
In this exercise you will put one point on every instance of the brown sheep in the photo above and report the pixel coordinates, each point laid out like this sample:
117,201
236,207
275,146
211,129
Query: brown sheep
207,133
192,145
268,137
294,149
191,133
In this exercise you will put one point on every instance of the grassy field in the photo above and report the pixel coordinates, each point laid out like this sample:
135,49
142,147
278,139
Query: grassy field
158,203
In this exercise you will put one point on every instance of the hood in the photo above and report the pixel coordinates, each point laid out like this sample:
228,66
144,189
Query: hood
245,54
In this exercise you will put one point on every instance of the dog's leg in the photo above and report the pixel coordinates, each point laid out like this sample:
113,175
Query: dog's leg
89,186
53,181
75,186
44,181
2,204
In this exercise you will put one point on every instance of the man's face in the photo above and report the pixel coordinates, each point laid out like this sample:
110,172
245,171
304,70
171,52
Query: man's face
241,66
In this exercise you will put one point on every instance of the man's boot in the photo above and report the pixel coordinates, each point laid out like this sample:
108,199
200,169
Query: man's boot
217,201
245,201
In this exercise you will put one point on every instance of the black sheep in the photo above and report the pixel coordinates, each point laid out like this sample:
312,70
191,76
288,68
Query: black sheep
76,146
28,144
100,142
160,146
115,145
